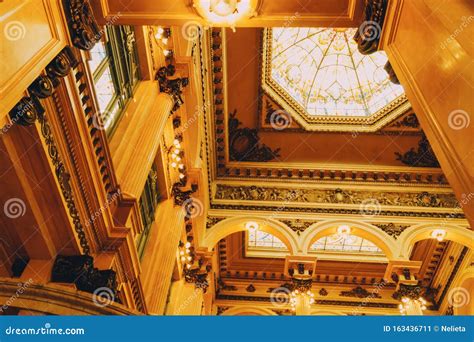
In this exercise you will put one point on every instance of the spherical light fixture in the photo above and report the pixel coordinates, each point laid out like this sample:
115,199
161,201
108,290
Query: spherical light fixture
438,234
225,12
251,225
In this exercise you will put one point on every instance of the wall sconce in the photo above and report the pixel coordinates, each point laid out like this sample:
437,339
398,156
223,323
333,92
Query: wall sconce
438,234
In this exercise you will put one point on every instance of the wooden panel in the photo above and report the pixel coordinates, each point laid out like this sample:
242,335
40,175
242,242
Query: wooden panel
32,35
434,61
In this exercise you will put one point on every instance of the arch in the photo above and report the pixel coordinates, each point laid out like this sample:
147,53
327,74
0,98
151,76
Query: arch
248,311
365,230
462,291
237,224
418,232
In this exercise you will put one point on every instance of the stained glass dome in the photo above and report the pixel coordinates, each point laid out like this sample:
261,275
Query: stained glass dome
322,70
319,73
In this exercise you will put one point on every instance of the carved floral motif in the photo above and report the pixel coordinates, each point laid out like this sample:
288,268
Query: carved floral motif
392,198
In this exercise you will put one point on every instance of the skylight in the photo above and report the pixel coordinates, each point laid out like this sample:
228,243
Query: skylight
319,72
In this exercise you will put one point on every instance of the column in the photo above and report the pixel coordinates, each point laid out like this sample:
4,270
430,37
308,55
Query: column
185,299
160,255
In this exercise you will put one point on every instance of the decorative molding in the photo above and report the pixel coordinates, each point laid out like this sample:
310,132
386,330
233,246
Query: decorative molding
171,86
392,229
410,121
336,196
449,311
244,143
352,212
222,286
410,291
64,180
368,35
222,309
211,221
421,157
298,225
79,269
323,292
180,195
250,288
29,109
316,301
83,28
359,292
452,275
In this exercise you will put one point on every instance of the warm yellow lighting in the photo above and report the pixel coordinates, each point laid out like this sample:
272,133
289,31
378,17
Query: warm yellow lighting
344,230
181,176
176,141
438,234
181,166
251,225
176,151
181,253
164,41
187,245
225,12
173,164
166,52
178,158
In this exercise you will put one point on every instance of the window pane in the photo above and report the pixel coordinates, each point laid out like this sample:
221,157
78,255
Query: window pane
98,54
105,90
261,239
350,243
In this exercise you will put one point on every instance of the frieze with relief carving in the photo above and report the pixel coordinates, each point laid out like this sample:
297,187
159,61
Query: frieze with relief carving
297,225
392,229
329,196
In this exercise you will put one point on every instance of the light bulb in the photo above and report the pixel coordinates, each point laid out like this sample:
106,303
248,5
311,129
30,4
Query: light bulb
176,141
176,151
173,164
181,253
187,245
178,158
166,52
181,176
181,166
165,41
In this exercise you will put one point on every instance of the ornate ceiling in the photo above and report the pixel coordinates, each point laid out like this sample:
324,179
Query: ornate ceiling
319,77
278,170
